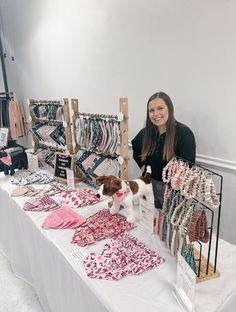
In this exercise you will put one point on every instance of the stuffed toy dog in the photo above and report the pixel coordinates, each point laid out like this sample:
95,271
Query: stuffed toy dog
124,192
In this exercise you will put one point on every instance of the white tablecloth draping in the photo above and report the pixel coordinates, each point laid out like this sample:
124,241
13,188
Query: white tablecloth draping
46,259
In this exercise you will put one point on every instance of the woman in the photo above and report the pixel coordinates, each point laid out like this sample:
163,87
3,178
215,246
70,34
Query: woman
162,138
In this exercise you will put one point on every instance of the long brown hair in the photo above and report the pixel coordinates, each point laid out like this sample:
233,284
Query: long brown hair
151,132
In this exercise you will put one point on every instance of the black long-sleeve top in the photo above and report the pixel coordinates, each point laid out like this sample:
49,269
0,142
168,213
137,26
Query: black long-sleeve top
185,147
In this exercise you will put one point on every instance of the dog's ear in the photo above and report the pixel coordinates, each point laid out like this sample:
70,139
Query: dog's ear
100,180
116,184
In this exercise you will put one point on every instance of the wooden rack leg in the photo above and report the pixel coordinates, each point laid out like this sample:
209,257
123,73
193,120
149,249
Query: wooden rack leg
124,138
66,114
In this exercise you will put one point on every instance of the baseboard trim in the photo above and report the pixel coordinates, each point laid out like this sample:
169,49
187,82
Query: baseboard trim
216,162
211,161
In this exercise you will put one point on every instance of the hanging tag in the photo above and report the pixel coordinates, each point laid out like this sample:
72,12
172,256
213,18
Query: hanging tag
120,116
70,178
120,160
32,161
30,118
64,124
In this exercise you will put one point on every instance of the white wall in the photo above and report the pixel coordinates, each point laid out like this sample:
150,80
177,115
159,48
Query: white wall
99,51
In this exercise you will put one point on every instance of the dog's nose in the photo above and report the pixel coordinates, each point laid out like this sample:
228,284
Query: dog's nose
98,195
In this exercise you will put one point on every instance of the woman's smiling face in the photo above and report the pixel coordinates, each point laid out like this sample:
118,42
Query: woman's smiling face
158,114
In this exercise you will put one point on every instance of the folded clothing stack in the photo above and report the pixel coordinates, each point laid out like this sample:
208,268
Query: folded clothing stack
43,203
63,218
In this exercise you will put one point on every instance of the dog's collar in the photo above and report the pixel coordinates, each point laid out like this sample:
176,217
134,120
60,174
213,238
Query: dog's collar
119,195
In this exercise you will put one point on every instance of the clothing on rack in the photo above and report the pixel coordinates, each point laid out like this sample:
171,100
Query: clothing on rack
98,134
50,120
93,165
50,134
12,116
47,111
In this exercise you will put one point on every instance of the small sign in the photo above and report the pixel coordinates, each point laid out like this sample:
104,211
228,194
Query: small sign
186,285
146,216
3,137
63,162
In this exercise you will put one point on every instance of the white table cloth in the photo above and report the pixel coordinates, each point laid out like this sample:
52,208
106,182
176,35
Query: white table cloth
45,259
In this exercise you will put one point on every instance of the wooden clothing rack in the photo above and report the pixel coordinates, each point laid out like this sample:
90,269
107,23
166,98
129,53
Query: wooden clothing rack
123,127
66,123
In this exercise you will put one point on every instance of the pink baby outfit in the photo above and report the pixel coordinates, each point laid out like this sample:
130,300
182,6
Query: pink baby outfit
101,225
63,218
6,160
124,255
78,198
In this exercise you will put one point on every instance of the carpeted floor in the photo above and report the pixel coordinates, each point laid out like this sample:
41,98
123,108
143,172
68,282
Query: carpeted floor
15,294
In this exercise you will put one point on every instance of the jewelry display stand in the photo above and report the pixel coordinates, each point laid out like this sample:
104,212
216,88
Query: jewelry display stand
201,188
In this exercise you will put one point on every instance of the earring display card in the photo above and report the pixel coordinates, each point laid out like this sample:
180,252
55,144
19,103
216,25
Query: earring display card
3,137
185,285
146,214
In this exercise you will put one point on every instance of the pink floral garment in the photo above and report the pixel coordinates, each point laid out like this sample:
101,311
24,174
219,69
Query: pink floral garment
124,255
78,198
63,218
99,226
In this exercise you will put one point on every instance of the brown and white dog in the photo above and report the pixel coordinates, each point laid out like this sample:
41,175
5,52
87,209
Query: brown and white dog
124,192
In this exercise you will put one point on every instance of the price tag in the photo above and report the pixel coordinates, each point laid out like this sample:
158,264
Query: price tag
120,160
3,137
70,178
33,163
120,116
79,254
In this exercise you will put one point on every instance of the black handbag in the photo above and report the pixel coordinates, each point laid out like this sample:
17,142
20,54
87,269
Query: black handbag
18,158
